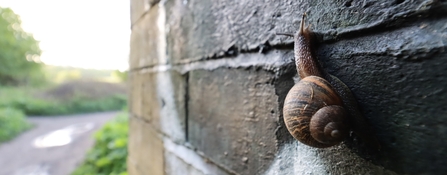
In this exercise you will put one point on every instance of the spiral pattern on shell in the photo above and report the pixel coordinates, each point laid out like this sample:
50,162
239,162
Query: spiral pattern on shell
314,113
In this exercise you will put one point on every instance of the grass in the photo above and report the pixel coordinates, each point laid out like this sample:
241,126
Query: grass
66,98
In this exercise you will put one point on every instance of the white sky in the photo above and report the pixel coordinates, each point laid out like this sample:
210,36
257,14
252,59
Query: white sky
78,33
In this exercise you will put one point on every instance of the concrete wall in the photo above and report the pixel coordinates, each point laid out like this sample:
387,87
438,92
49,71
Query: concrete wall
209,79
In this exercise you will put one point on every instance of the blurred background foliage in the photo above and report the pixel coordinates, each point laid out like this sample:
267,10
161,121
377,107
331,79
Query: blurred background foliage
19,52
12,122
108,156
59,74
66,98
30,88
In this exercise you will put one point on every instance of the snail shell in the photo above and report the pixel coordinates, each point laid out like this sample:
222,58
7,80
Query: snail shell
314,113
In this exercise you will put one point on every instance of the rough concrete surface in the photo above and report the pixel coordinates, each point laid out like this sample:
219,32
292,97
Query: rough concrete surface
136,85
208,29
142,37
211,77
238,137
296,158
20,157
399,79
180,159
146,149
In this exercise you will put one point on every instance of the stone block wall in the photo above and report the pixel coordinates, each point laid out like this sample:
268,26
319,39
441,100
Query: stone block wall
209,78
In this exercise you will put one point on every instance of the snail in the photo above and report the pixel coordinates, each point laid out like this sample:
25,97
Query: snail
320,110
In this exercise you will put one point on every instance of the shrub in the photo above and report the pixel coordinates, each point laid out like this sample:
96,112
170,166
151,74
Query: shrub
108,156
12,123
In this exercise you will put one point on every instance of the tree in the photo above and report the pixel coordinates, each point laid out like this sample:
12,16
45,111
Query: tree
19,52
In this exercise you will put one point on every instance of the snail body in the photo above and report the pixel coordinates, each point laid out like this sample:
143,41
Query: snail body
320,110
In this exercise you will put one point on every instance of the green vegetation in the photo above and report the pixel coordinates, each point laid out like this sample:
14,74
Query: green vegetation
108,156
28,87
19,52
12,123
67,98
58,74
19,65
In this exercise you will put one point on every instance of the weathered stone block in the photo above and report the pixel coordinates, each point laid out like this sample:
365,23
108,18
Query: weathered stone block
399,80
145,40
174,165
139,7
163,102
232,117
210,29
171,92
297,158
135,98
151,104
145,149
182,160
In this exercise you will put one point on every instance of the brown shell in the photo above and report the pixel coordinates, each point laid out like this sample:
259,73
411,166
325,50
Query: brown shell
304,101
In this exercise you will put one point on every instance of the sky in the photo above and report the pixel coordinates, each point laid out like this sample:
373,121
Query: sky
78,33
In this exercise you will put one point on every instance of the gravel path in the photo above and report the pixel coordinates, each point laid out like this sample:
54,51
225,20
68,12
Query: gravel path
21,156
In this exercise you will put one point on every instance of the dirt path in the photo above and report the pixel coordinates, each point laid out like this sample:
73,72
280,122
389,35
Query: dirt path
21,156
